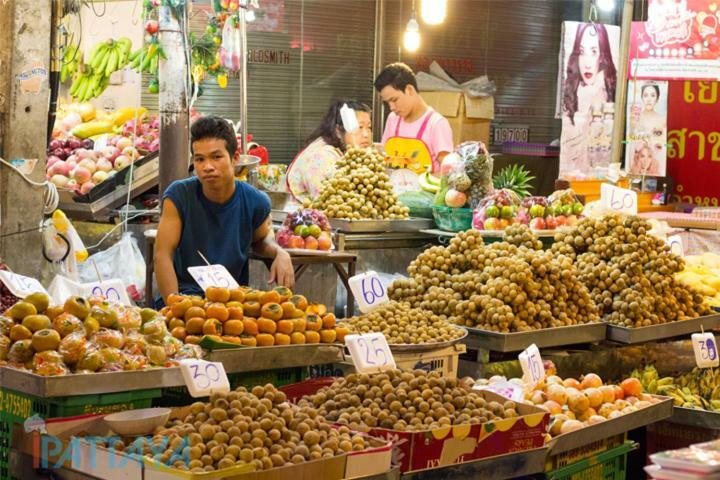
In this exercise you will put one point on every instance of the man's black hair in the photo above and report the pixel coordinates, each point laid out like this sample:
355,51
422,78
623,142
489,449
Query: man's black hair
397,75
214,127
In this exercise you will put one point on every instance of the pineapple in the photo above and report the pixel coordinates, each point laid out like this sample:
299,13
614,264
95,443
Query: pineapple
515,178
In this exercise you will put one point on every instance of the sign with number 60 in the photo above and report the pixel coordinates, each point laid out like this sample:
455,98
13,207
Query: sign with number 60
368,290
618,199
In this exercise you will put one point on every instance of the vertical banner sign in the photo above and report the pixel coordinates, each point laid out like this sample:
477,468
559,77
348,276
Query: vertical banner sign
694,141
587,82
646,151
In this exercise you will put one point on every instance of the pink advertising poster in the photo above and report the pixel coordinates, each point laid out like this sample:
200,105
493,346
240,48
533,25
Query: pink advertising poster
680,41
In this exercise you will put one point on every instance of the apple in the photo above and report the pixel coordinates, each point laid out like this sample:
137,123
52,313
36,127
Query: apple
123,143
110,152
59,181
104,165
152,27
492,223
537,223
52,160
72,184
86,187
60,168
81,175
551,223
130,152
88,164
121,162
455,198
99,176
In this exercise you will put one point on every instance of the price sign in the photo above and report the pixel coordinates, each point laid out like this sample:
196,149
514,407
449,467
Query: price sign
618,199
20,285
676,245
213,276
506,389
203,378
370,352
532,365
368,290
705,348
113,290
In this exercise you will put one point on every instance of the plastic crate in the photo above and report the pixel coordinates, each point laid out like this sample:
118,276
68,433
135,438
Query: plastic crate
608,465
586,451
452,219
5,444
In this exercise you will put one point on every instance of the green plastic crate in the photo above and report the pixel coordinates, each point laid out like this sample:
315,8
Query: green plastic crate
608,465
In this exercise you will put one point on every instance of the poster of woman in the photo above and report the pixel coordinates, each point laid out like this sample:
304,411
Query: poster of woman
642,160
588,70
647,124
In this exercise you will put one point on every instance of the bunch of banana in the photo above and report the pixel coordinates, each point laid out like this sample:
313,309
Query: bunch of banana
147,58
88,85
72,59
110,56
698,389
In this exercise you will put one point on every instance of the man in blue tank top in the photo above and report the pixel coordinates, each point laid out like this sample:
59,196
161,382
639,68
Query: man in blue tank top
216,215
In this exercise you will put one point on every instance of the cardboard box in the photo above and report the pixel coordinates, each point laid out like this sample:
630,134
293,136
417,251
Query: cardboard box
469,117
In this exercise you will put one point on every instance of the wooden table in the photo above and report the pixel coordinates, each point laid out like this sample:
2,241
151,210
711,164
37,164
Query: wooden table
300,261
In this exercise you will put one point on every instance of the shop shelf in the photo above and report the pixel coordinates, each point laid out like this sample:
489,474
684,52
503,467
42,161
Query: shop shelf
608,465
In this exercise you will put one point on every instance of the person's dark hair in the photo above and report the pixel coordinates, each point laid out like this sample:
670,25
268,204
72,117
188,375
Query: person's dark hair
397,75
605,65
653,86
214,127
331,127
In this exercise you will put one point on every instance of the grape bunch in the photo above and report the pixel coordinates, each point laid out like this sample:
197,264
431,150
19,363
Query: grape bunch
7,299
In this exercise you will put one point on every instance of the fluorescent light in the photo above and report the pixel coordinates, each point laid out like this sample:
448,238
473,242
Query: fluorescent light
433,11
411,37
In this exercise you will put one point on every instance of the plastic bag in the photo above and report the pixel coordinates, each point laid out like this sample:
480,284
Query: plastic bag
123,261
533,212
564,208
478,167
466,176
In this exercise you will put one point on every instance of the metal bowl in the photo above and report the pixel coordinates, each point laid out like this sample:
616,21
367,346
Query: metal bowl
137,422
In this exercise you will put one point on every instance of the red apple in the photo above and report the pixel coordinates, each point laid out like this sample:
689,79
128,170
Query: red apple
152,27
455,198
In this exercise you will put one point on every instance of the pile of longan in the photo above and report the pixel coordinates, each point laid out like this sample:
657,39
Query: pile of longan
402,324
519,234
360,189
629,272
405,401
499,287
258,427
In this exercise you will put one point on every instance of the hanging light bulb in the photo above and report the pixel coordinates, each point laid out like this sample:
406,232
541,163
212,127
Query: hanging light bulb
250,15
433,11
606,5
411,37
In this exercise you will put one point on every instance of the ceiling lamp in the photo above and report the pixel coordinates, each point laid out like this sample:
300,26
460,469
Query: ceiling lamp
411,37
433,11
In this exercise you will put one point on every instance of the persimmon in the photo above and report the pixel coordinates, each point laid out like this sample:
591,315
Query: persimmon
194,326
252,295
217,310
297,338
192,339
314,322
299,301
328,336
272,311
179,332
284,292
214,338
178,309
285,326
165,312
269,297
231,339
249,341
233,327
282,339
288,309
174,298
197,301
194,311
212,326
251,309
341,333
236,313
299,324
174,323
217,294
265,339
237,295
328,321
312,336
266,325
317,309
250,326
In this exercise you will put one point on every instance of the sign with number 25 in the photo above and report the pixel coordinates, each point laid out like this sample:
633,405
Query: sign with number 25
370,352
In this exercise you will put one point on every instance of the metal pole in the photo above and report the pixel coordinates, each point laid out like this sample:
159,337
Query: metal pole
622,82
174,115
243,78
377,104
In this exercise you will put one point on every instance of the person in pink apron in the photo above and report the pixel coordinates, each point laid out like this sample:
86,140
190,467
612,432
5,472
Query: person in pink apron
416,137
324,147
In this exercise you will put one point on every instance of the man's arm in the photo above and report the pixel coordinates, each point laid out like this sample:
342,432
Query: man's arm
281,271
166,242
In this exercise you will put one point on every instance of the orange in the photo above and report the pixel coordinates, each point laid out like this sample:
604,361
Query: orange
266,325
285,326
284,292
178,309
631,387
282,339
270,297
251,309
194,326
299,301
341,332
217,294
265,340
173,298
328,336
250,326
235,313
194,311
312,337
217,310
237,295
175,322
329,320
272,311
179,333
299,324
297,337
212,326
192,339
233,327
249,341
314,322
288,309
317,309
231,339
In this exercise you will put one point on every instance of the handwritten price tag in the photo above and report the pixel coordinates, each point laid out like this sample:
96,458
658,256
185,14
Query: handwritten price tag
676,245
368,290
20,285
532,365
705,348
212,276
619,199
370,352
203,378
113,290
506,389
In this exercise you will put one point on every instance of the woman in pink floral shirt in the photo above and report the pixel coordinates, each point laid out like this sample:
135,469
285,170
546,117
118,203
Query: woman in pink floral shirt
324,147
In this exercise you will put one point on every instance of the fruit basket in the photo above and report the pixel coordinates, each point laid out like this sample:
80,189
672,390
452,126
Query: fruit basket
452,219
